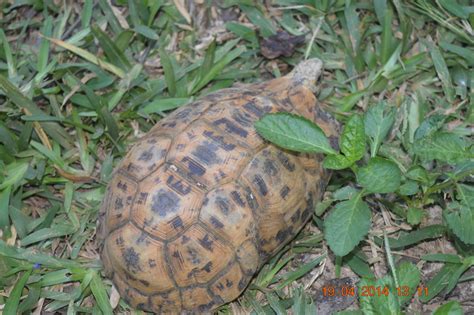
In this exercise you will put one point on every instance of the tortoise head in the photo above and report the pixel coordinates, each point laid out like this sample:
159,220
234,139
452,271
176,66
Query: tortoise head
307,73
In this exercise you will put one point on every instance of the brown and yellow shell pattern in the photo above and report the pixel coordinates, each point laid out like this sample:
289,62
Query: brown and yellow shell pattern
201,202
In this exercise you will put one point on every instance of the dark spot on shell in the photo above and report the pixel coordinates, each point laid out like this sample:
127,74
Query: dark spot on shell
242,118
194,167
242,284
295,217
284,192
206,307
146,155
194,256
283,235
206,242
152,263
177,223
285,161
142,238
145,283
252,108
216,223
220,140
165,202
176,254
119,241
228,283
143,196
131,259
237,198
183,113
178,185
223,204
270,168
122,186
251,199
185,239
262,187
220,286
207,267
141,305
169,124
118,204
206,153
230,127
309,208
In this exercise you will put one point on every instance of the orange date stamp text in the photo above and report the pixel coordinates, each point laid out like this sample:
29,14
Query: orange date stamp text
372,291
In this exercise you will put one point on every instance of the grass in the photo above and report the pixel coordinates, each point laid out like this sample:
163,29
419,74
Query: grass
80,82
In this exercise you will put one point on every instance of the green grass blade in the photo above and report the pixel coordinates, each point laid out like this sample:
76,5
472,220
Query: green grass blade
89,57
13,300
100,294
113,53
170,76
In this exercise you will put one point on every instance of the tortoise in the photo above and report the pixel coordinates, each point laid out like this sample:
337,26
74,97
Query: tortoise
201,202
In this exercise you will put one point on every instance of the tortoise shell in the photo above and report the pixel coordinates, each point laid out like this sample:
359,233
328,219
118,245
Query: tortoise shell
201,202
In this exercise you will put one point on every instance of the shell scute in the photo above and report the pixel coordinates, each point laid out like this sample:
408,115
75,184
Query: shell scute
167,203
192,256
139,259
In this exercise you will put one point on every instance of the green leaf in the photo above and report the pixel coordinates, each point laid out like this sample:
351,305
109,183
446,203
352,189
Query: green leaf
379,176
54,130
378,122
387,38
146,31
337,162
257,18
291,276
242,31
353,139
32,256
453,280
217,68
449,308
89,57
347,225
100,294
13,300
408,188
208,61
465,194
170,76
424,233
464,52
47,233
441,69
14,174
439,281
444,147
294,133
461,222
113,53
451,258
408,276
414,215
163,104
4,204
454,8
